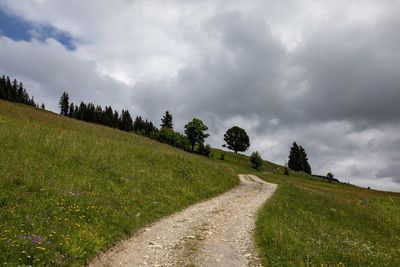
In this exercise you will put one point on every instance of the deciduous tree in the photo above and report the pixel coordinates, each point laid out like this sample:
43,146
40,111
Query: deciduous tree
237,139
195,130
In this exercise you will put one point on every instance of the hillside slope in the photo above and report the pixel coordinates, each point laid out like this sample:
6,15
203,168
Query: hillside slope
310,222
69,189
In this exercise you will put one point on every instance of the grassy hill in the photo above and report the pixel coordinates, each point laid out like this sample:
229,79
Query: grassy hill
70,189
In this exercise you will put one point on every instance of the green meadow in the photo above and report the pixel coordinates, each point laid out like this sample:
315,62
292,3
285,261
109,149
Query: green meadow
70,189
310,222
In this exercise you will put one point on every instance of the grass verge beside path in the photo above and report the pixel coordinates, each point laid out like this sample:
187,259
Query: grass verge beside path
69,189
314,223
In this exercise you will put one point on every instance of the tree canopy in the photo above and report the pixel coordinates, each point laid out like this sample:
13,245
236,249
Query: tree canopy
256,160
195,131
298,160
14,91
166,121
237,139
64,104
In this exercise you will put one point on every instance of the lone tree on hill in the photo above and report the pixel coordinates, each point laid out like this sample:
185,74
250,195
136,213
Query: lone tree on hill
237,139
64,104
298,160
256,160
196,132
166,121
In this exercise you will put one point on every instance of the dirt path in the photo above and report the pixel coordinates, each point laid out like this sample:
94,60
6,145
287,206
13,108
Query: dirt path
217,232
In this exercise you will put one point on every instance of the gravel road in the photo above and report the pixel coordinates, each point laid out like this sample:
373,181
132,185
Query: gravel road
216,232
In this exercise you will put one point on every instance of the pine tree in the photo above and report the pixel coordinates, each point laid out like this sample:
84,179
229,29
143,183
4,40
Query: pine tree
166,121
13,91
64,104
295,162
20,93
138,124
126,121
71,110
108,116
3,87
99,114
117,120
81,114
8,89
304,158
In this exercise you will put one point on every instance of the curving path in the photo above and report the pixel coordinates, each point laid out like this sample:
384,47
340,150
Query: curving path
217,232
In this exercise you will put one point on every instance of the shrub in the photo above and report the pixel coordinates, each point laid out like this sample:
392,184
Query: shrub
204,150
286,171
256,160
169,136
222,156
330,177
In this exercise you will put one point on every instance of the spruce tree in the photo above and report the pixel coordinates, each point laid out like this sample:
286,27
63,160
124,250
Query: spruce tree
304,158
295,162
166,121
20,93
138,124
8,89
64,104
14,91
71,110
117,120
2,87
126,121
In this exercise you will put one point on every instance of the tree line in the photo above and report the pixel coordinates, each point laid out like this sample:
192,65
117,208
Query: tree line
96,114
192,140
14,91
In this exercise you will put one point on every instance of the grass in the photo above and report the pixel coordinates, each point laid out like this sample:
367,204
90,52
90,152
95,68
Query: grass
313,223
70,189
310,222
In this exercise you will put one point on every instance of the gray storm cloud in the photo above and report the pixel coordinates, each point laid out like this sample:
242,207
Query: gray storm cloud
322,73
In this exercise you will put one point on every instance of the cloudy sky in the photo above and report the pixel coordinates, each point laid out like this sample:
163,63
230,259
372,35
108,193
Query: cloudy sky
323,73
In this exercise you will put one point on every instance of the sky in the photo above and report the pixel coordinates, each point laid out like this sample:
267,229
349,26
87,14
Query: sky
322,73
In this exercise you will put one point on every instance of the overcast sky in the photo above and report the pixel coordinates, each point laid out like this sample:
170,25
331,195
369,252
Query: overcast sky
323,73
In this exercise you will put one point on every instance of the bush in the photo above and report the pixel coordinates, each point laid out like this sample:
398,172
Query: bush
169,136
204,150
286,171
330,177
222,157
256,160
